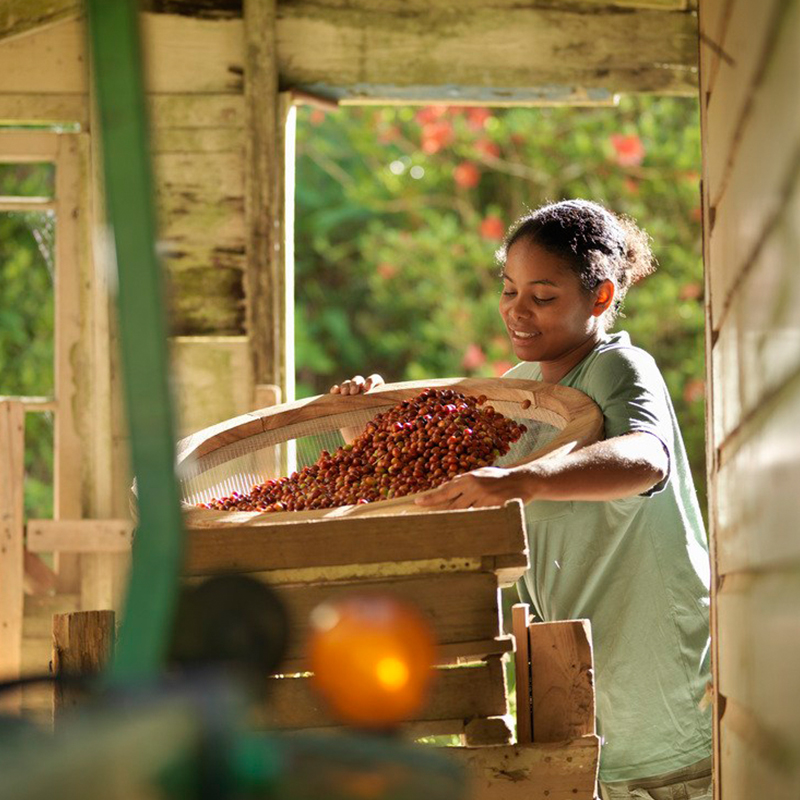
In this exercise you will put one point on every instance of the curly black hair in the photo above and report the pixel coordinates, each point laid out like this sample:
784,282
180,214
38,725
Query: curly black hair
596,243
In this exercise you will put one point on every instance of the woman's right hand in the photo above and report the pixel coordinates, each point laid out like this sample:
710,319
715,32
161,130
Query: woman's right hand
357,385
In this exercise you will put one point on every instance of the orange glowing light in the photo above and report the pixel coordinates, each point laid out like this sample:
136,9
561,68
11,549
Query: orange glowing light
371,656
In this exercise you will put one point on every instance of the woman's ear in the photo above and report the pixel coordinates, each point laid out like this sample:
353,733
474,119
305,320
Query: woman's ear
603,297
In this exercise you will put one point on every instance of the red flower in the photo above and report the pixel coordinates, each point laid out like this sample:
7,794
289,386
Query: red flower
478,117
631,185
387,271
691,291
629,149
435,136
389,134
467,175
474,357
430,114
317,116
492,228
697,214
694,390
488,148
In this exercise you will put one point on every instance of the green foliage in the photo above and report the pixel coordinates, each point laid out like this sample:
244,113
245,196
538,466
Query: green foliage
26,321
400,210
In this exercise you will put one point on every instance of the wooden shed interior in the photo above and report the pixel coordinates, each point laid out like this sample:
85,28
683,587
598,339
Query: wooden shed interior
222,79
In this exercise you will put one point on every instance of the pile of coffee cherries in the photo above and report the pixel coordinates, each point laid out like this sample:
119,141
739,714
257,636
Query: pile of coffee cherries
417,445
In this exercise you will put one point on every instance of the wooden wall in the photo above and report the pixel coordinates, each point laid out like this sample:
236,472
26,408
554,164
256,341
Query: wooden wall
750,62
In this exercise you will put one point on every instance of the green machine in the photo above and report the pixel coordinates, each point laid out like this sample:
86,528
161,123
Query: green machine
147,730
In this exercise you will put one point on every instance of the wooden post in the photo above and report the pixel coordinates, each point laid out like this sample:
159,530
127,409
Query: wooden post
267,194
562,680
82,644
12,570
267,395
520,614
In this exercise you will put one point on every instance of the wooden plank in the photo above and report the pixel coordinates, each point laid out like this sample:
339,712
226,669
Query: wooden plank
483,52
214,175
47,61
457,694
39,578
196,140
520,615
23,108
562,680
264,199
757,488
748,42
212,379
753,761
82,645
463,608
319,543
20,16
28,147
562,771
12,471
80,535
759,648
755,353
186,110
750,194
185,54
71,350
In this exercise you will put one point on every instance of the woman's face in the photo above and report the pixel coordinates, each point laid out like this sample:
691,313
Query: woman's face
546,310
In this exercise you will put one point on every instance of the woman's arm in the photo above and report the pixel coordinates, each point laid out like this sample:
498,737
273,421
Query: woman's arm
610,470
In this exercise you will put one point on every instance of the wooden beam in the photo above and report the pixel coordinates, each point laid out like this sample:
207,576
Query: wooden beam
485,52
80,535
12,574
563,771
82,644
520,614
562,680
320,543
265,283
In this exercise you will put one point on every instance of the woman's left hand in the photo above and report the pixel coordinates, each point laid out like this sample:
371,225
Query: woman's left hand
487,486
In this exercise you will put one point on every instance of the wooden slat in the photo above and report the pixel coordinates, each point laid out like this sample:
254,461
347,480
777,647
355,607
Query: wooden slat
187,110
28,108
197,140
33,404
753,761
80,535
759,648
212,379
563,771
457,694
520,614
47,61
747,41
755,353
71,348
524,50
751,194
494,730
28,147
462,608
39,578
562,680
19,16
757,489
319,543
12,470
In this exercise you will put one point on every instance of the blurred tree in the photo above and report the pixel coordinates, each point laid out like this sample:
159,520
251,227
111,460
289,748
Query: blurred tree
400,210
26,320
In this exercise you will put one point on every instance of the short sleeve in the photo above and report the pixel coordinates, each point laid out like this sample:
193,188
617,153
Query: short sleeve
628,387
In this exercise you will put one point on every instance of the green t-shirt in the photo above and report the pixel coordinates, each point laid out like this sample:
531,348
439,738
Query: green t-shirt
637,568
